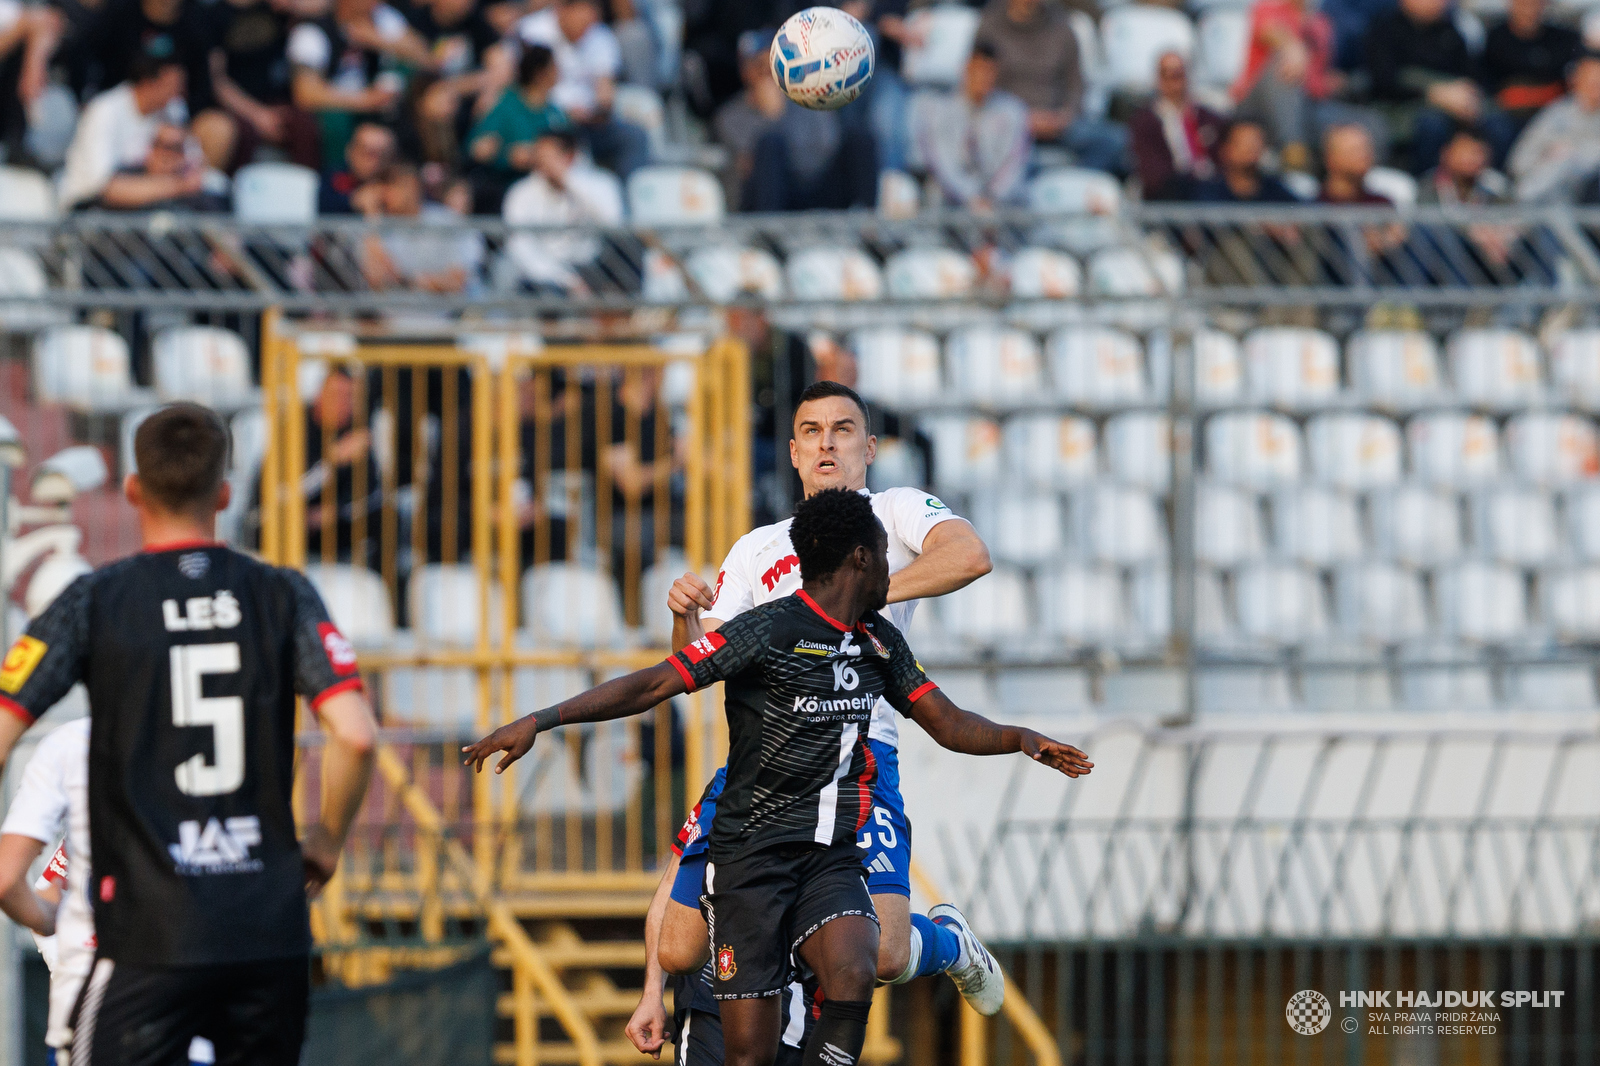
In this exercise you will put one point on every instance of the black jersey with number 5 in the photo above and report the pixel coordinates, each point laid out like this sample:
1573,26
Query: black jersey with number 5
192,656
800,691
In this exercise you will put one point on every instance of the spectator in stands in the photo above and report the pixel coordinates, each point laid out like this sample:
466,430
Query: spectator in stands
1039,62
471,67
1173,136
1561,146
1239,178
250,76
334,446
1348,155
28,38
121,30
169,179
562,190
1350,19
368,155
501,143
116,128
739,123
974,139
636,42
1424,79
890,98
1525,60
712,32
1289,81
1464,175
437,256
338,68
588,60
1240,255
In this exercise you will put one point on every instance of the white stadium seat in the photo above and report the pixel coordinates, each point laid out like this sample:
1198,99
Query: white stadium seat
205,364
1131,271
1252,449
659,195
1139,449
966,451
1453,449
1379,603
1019,528
1227,525
946,32
897,366
1480,602
725,273
1279,603
22,275
1397,186
1559,686
571,605
896,464
1044,274
26,196
1151,600
249,429
1091,195
1395,369
898,195
1134,36
1051,451
1218,368
1494,368
443,603
85,368
1354,451
1416,525
994,365
1516,526
1575,367
275,194
1316,526
1292,368
1081,605
641,106
1096,367
1224,43
357,602
1458,683
834,274
1571,601
663,280
929,274
1583,522
1117,524
1552,449
988,611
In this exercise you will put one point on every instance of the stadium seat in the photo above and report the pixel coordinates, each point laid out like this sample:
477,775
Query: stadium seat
897,366
1415,524
898,195
663,281
571,605
249,429
1139,449
1022,528
22,275
1134,36
966,451
85,368
1096,367
1279,603
1515,525
833,274
1341,687
666,196
1291,368
1223,44
969,689
1044,274
1446,681
1452,449
993,366
1575,367
1091,194
1227,525
1397,370
26,196
1081,605
929,274
1316,526
1561,686
1256,450
1354,451
725,273
1151,598
1570,599
1494,368
443,602
641,106
1037,693
897,464
1582,511
536,687
1552,449
1117,524
946,32
1131,271
992,609
1480,602
1051,451
280,194
1241,688
205,364
1399,187
1218,368
357,602
1379,603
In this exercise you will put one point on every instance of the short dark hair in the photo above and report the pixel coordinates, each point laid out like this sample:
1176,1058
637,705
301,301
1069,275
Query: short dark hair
1468,129
821,390
984,50
536,59
1234,125
566,138
182,456
150,63
829,526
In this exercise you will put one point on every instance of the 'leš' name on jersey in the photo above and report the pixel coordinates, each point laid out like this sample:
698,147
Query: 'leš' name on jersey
201,612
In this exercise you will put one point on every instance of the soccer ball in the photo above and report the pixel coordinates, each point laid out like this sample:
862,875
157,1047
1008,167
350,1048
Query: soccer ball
822,58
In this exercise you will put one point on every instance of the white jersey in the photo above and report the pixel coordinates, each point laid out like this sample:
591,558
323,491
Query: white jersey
762,566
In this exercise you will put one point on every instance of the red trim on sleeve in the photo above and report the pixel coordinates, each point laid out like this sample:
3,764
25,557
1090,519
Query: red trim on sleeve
921,691
347,685
832,621
17,709
683,671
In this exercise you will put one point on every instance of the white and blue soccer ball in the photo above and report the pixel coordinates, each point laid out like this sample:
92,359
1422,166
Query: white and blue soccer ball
822,58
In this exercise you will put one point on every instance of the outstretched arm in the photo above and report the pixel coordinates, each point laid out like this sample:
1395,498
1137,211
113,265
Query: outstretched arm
974,734
620,697
953,557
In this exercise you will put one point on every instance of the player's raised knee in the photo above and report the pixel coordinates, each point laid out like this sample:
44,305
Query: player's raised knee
894,955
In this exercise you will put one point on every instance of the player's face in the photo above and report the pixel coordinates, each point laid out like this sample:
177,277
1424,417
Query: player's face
878,573
831,447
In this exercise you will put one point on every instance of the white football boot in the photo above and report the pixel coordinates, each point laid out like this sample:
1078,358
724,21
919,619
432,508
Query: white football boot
975,972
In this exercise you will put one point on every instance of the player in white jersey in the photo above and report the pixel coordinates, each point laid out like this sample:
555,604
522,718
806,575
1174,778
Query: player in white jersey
932,552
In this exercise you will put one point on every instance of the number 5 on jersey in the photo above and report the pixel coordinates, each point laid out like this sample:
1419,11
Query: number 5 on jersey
223,714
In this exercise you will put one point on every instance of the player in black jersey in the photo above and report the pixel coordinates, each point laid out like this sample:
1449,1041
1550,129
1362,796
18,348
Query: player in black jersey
803,673
192,655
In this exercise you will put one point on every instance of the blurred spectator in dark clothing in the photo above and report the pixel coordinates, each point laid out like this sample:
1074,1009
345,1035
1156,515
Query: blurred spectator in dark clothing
250,76
711,35
1348,155
1464,175
1251,254
344,65
889,98
434,254
28,40
183,29
1424,79
739,123
1239,178
501,142
471,67
368,155
1478,253
589,61
335,449
1525,61
1351,19
1173,137
1039,62
170,179
974,139
812,160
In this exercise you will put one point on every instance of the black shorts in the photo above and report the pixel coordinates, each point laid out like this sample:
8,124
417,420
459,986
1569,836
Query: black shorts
254,1013
761,908
699,1026
700,1042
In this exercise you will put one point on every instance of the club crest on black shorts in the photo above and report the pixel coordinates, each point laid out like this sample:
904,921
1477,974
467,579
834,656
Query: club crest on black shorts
726,967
